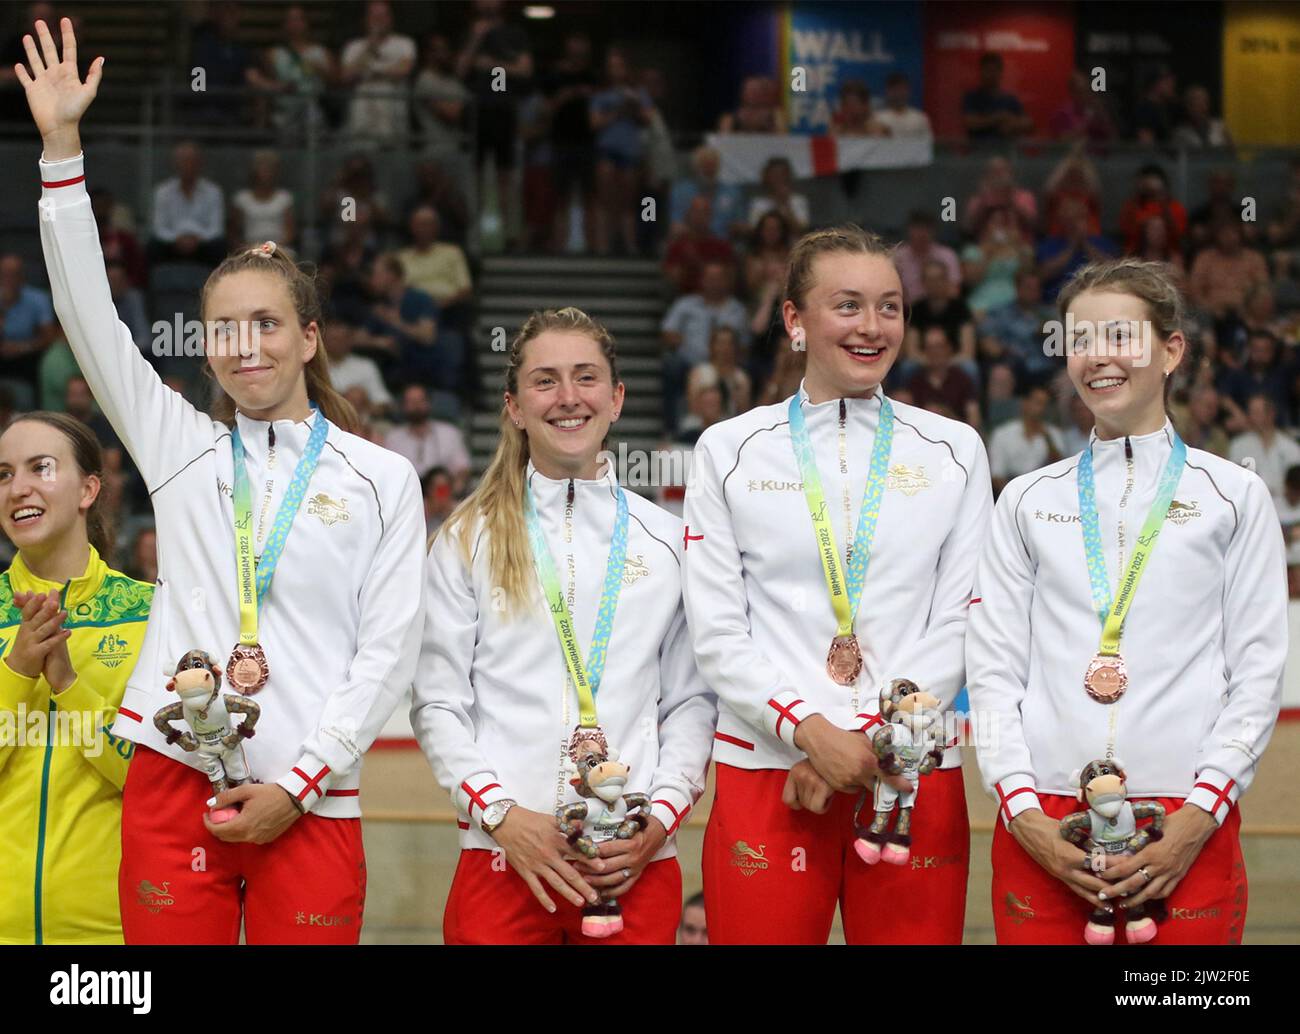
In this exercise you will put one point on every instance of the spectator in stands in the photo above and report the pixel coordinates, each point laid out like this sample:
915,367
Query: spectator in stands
439,98
620,111
371,426
690,250
541,208
898,116
189,213
1078,430
438,490
1001,404
129,302
1222,203
1019,446
142,560
1154,116
494,43
1059,256
228,68
989,264
426,442
853,116
660,166
919,248
569,87
13,101
118,245
1014,333
693,928
1258,315
1284,229
998,191
298,72
27,329
439,268
263,211
1288,512
408,318
777,192
1075,178
1262,373
688,327
344,263
787,372
1151,197
1198,128
1224,273
768,253
760,109
436,187
990,112
1083,116
378,66
1155,244
726,201
1199,424
939,304
704,409
1270,451
349,370
941,386
724,373
341,204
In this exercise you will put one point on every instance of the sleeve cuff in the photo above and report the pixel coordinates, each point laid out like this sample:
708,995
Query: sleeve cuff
1214,792
477,791
868,723
671,807
308,781
63,178
1016,793
783,714
15,689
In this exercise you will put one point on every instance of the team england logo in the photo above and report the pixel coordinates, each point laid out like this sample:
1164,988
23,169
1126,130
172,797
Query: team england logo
908,480
1181,513
329,511
748,860
634,568
154,898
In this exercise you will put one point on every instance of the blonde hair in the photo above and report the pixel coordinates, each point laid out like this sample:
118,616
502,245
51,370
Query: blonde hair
498,501
848,237
301,282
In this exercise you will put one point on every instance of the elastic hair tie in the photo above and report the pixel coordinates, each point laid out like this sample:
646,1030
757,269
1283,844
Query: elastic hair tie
266,249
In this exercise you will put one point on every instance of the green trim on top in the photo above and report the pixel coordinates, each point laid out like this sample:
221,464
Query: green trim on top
120,600
38,903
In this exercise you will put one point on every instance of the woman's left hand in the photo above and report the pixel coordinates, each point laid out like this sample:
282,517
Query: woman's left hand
267,811
627,858
1166,861
58,670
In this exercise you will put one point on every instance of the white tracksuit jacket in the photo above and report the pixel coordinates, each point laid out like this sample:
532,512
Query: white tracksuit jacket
493,706
341,622
1204,641
756,598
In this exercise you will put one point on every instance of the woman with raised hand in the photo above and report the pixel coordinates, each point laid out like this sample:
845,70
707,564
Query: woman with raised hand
832,542
557,670
70,633
289,551
1134,612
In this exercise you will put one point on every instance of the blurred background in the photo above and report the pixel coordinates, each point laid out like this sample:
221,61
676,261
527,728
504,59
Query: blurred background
452,166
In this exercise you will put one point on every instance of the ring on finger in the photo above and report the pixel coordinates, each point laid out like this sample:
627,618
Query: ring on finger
1146,875
627,874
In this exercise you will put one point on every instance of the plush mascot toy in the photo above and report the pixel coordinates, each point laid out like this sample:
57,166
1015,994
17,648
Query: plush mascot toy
197,681
604,813
908,745
1108,831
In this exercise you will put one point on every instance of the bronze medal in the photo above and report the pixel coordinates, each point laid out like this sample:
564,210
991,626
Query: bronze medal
844,660
1106,678
247,670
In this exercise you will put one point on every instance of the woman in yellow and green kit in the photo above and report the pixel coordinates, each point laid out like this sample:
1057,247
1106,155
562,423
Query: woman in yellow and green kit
70,631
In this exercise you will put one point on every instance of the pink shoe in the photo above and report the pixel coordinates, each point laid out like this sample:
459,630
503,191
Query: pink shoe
896,854
867,851
601,926
1095,933
1139,931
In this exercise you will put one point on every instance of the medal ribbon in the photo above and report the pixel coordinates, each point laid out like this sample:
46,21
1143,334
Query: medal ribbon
846,589
586,679
1111,613
250,571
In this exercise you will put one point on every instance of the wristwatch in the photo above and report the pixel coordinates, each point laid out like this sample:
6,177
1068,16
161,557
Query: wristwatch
495,814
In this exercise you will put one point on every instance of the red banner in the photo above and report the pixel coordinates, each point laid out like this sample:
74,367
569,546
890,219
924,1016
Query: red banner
1035,40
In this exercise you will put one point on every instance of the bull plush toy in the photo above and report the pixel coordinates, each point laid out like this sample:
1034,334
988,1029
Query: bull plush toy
604,813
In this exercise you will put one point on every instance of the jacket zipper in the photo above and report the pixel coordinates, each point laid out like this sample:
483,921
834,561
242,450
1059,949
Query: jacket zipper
45,800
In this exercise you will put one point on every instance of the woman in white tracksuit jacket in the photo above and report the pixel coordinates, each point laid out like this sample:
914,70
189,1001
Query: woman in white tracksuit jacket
1203,642
495,708
780,853
339,623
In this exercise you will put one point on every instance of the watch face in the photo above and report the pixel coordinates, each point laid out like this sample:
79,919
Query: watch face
493,813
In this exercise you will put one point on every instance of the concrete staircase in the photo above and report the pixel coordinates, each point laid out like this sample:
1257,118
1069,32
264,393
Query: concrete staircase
626,295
